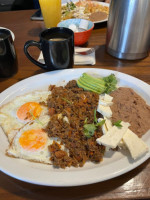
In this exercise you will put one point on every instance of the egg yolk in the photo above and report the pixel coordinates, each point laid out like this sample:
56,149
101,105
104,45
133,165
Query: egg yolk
33,140
29,111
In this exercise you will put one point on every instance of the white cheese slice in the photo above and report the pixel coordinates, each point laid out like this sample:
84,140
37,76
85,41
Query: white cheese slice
108,123
105,100
104,128
122,145
136,145
105,111
107,97
105,103
113,136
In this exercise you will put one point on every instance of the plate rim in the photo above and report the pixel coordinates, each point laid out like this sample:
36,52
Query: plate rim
83,182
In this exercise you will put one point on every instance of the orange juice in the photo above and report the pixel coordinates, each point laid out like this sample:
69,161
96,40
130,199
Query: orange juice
51,11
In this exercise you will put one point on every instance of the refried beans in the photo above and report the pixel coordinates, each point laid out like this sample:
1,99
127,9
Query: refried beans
69,108
130,107
98,16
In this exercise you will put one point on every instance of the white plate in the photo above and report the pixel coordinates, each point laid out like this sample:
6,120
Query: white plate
96,2
114,163
13,36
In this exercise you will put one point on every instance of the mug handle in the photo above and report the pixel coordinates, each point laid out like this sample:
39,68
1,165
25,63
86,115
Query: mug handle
37,44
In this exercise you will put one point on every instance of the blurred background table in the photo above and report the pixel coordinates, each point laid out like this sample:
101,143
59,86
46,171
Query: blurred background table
132,185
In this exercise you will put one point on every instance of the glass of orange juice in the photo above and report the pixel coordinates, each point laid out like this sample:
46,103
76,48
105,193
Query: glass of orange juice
51,11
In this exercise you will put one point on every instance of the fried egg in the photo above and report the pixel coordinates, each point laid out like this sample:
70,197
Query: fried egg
31,143
22,110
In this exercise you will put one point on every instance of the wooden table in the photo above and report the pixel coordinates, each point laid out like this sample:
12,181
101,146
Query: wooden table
132,185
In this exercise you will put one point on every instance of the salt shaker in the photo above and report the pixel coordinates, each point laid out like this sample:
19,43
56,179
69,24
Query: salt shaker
128,29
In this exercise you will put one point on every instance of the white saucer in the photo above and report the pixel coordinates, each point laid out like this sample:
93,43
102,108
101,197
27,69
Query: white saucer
13,36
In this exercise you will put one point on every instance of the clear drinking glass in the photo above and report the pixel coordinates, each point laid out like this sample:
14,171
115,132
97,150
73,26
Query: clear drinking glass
51,11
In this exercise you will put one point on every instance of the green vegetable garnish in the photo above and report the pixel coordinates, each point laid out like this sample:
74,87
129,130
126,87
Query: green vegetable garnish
67,12
89,129
110,83
67,100
97,85
95,118
70,6
101,123
85,121
36,119
118,123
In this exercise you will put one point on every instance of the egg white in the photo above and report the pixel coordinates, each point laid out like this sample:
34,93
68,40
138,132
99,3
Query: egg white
9,121
41,155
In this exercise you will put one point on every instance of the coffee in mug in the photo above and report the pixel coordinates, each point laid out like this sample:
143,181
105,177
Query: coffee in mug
57,46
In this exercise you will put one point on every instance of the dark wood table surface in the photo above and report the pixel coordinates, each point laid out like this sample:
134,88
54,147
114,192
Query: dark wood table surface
132,185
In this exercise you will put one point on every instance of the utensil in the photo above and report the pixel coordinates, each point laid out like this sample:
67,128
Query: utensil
8,58
87,52
57,46
128,29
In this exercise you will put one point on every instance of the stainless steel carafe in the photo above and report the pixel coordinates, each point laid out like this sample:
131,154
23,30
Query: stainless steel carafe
128,29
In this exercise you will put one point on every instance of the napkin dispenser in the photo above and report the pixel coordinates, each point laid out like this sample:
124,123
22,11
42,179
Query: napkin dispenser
128,29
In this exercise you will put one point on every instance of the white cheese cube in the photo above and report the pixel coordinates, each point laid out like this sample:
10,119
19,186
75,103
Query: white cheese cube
105,111
136,145
105,103
107,97
105,100
113,136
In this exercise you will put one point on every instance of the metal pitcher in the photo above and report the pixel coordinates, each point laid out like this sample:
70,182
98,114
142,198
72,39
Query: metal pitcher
128,29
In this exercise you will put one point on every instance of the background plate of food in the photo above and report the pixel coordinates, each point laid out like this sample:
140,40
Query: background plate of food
30,155
90,10
94,11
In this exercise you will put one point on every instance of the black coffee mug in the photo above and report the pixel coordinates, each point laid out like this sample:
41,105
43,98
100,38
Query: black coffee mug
57,46
8,58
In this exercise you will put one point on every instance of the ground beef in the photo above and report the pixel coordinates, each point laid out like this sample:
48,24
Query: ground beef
69,107
130,107
59,157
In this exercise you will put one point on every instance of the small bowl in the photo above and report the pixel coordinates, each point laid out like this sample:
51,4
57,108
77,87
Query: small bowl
80,38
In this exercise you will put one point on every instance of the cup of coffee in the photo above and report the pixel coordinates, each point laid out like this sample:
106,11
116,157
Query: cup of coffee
8,58
57,46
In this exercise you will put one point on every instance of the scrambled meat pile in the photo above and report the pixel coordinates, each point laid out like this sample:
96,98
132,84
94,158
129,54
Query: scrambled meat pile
130,107
70,107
